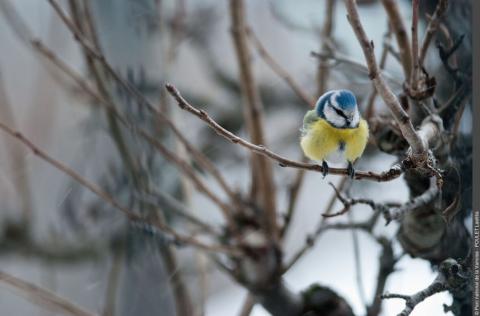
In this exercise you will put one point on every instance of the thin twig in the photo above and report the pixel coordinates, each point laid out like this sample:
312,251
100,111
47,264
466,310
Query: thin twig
112,283
279,70
437,286
450,42
322,77
105,196
340,58
398,27
386,266
311,239
370,107
263,187
414,77
294,191
248,304
43,297
432,28
423,199
389,211
326,38
142,101
181,164
453,275
18,161
418,146
358,264
347,203
392,173
168,203
285,20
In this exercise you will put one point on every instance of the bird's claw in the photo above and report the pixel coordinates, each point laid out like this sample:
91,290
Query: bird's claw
350,170
325,168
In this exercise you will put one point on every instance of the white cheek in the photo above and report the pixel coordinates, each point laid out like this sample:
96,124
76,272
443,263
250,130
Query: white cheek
356,118
333,117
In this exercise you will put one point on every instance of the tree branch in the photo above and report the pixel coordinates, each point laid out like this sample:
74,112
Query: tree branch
370,107
386,267
419,148
413,83
43,297
340,58
421,200
263,188
326,39
438,285
432,27
142,101
181,164
396,22
278,69
393,173
107,197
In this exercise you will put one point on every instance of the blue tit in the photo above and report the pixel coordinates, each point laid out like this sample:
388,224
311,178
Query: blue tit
334,131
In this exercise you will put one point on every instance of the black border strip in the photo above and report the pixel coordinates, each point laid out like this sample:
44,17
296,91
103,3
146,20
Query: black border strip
476,157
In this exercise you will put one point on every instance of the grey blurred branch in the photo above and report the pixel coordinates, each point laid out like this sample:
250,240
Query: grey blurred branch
42,297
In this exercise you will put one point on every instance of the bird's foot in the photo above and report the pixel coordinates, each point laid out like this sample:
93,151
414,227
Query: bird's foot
351,170
325,168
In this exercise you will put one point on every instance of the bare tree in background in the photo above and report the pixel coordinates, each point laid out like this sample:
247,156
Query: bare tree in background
421,128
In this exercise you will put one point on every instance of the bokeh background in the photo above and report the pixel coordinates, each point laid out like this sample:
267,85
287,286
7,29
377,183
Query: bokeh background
41,102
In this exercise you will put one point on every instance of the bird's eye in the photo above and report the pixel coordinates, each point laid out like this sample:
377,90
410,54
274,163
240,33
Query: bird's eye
338,111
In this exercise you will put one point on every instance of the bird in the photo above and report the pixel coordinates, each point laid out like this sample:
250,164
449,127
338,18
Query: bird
334,131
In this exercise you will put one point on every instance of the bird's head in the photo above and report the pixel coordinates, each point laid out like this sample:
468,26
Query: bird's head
339,108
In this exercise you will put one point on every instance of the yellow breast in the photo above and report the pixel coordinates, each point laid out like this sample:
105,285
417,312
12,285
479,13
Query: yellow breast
322,139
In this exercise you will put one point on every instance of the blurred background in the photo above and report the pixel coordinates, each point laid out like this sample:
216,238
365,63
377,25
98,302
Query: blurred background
57,235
